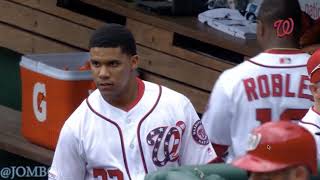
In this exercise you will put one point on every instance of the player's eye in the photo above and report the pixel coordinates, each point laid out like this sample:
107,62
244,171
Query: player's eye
114,63
95,63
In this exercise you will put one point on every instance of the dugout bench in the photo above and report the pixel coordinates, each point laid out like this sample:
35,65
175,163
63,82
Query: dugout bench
172,50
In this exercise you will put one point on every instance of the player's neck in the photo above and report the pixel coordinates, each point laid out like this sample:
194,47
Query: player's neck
277,44
316,106
127,97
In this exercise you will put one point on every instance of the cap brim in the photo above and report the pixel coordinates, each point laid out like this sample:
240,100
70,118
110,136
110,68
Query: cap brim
256,164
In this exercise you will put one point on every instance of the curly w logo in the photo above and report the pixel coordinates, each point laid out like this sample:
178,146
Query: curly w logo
166,143
284,27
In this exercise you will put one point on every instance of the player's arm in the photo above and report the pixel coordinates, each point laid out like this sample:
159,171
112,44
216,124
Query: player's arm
217,118
195,147
67,161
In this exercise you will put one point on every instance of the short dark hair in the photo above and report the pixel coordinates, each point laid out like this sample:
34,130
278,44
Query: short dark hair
112,36
273,10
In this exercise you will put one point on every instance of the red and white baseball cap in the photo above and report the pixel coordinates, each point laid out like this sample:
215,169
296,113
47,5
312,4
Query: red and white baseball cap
313,67
278,145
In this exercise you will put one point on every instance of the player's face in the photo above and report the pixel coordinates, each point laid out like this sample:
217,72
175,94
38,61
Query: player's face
315,91
112,71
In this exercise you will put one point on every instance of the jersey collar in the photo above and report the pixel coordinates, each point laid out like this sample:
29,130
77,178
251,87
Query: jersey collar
281,58
139,95
283,51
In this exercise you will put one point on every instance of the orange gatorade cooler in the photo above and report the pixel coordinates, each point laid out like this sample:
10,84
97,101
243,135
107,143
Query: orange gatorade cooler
53,86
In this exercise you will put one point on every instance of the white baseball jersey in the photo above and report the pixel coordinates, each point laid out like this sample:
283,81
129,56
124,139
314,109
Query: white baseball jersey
311,121
100,141
271,85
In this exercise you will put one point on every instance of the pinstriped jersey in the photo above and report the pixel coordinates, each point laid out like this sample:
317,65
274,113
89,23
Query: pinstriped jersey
100,141
271,86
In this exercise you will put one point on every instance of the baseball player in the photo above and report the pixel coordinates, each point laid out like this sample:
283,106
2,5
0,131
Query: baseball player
127,127
279,151
311,121
269,86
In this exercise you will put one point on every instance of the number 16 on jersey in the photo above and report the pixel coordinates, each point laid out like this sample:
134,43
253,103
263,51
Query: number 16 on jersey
265,114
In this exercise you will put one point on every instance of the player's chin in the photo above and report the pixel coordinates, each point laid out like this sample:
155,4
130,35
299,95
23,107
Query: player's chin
106,91
107,95
106,88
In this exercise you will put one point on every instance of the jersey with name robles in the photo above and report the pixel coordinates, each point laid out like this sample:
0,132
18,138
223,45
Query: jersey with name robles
272,85
100,141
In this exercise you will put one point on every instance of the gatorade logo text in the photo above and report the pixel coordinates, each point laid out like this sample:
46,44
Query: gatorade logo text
39,103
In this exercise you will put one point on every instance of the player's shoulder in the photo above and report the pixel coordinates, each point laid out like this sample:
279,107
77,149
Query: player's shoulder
166,93
72,125
311,121
311,117
230,78
79,115
237,71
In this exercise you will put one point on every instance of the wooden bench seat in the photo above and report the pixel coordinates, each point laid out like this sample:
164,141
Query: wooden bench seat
12,141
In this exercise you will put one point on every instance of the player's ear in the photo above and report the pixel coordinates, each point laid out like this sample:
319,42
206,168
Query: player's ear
261,32
300,172
260,28
134,61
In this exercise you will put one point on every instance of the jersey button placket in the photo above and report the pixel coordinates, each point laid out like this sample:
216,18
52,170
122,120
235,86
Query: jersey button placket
128,120
131,146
